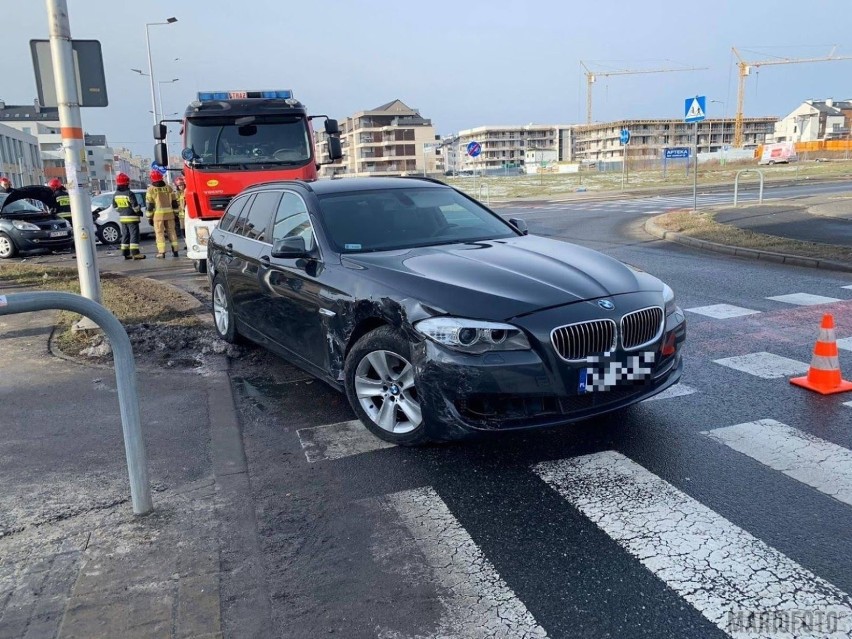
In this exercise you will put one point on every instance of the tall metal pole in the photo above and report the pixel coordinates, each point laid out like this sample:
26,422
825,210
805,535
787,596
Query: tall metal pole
71,128
695,173
151,73
160,99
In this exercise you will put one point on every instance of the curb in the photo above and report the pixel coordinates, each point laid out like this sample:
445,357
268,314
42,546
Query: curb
768,256
246,605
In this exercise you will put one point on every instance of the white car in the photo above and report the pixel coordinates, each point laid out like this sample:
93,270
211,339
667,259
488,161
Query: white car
106,223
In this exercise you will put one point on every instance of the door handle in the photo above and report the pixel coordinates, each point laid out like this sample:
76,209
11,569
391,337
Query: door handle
265,258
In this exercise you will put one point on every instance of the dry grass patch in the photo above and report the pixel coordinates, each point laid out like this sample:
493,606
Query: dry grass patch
703,226
133,300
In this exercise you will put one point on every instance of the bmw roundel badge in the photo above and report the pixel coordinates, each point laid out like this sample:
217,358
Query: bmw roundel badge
606,305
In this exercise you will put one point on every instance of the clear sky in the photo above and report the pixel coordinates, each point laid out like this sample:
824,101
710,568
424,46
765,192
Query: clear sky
463,63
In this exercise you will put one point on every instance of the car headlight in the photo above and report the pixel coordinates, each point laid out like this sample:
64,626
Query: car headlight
202,233
669,299
473,336
24,226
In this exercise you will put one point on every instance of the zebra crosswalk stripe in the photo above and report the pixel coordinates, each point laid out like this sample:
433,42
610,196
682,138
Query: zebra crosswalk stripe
477,602
727,574
808,459
335,441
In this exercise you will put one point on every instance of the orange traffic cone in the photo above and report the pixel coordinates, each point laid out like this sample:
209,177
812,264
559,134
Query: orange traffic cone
824,374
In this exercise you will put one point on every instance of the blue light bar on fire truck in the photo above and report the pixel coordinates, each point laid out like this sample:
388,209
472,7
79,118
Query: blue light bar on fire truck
279,94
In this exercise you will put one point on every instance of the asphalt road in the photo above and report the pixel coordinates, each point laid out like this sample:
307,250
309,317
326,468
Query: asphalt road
732,494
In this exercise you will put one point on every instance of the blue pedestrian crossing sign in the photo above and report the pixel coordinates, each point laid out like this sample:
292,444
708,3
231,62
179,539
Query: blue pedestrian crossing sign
694,109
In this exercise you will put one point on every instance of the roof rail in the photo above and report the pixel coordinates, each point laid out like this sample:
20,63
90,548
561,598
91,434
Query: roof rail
305,183
423,178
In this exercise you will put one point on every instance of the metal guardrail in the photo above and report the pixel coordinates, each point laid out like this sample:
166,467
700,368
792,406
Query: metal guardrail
125,377
737,184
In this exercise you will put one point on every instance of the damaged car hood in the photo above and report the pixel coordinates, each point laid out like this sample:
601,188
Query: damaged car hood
500,279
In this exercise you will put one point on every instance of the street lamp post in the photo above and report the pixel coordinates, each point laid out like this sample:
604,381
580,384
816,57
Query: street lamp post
171,20
160,84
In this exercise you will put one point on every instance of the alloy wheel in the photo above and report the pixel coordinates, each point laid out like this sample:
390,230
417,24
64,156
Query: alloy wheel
220,308
110,234
384,386
6,246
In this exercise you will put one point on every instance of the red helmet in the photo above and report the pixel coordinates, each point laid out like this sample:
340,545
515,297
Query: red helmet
55,184
4,181
156,176
122,179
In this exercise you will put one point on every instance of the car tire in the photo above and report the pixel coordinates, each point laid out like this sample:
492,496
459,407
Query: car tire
109,233
224,321
200,266
7,247
382,388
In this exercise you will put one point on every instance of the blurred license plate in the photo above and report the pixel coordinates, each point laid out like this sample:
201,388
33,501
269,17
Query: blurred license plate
607,373
58,233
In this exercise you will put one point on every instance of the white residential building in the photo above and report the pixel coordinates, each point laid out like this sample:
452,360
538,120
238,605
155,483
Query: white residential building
20,157
505,147
816,120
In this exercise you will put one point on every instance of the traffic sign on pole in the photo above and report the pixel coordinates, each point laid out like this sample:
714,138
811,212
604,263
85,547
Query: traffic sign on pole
474,149
625,137
695,109
677,153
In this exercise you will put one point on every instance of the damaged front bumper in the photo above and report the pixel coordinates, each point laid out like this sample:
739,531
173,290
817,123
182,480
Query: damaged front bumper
461,394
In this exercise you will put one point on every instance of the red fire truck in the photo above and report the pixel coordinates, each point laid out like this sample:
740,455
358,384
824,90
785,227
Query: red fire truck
232,139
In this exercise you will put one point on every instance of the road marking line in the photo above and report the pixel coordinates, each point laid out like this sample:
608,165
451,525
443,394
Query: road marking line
335,441
808,459
845,343
765,365
847,287
719,568
804,299
722,311
478,604
678,390
849,404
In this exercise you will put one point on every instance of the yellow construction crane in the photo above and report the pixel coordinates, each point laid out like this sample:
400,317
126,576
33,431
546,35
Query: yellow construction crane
591,76
745,71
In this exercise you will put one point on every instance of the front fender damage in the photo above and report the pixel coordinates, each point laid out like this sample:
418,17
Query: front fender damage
352,318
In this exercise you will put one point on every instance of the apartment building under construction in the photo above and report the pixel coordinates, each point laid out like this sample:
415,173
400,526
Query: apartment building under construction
649,138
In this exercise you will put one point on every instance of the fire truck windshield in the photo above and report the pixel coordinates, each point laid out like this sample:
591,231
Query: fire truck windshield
253,140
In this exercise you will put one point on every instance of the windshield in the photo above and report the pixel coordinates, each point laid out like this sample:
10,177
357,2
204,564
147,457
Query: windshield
278,141
362,221
21,206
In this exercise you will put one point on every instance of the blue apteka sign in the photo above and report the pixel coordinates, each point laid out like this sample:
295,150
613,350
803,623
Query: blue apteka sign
677,153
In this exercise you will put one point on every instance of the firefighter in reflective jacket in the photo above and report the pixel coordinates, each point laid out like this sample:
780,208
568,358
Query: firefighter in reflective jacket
162,204
63,200
180,187
129,215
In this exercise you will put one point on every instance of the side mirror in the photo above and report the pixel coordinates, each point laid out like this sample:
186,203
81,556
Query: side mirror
160,132
519,224
335,150
331,127
290,248
161,154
